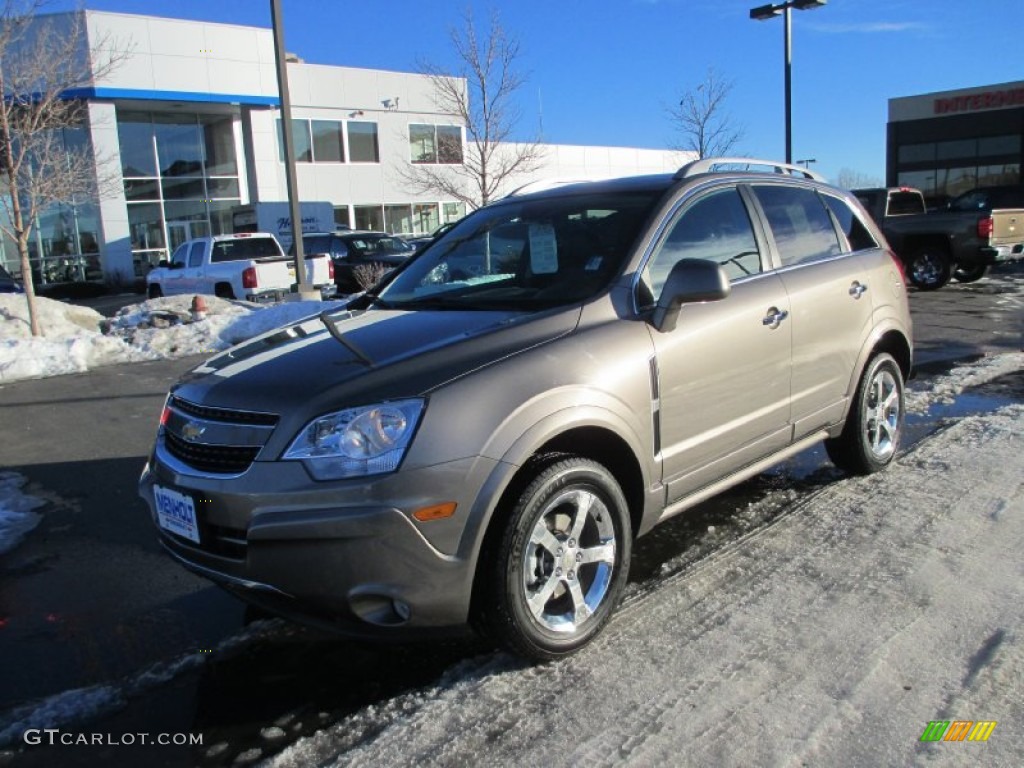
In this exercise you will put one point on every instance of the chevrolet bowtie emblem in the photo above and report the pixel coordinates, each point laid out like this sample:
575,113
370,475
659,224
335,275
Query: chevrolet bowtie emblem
192,431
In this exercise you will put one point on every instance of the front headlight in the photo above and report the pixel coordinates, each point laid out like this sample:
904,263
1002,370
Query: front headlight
369,440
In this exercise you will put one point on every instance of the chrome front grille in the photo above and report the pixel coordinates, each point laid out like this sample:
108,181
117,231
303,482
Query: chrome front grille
214,440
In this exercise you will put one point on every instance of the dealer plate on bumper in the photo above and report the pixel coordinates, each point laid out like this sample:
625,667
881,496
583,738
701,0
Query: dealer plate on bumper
176,512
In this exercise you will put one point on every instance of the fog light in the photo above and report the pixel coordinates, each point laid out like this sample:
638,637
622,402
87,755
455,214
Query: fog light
401,610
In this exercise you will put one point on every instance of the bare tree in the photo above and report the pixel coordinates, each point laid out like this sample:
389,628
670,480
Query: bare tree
42,162
480,93
851,179
701,118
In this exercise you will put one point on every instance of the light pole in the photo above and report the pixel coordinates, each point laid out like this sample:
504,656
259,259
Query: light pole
806,163
764,12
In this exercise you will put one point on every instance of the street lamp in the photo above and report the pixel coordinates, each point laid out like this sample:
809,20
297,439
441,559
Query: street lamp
764,12
806,163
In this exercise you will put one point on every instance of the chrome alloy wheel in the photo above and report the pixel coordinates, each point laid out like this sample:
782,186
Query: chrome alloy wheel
569,560
882,414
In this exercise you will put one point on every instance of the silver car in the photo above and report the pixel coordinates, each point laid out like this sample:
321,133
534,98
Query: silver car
481,440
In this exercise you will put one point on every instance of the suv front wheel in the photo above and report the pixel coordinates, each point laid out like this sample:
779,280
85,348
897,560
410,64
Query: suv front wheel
872,431
562,561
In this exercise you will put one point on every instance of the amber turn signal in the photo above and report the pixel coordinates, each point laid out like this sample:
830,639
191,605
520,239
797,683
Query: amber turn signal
435,512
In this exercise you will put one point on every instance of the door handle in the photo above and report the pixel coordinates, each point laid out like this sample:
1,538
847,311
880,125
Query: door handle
857,289
774,317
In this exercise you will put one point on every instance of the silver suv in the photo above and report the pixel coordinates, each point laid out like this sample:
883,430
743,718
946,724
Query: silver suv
479,441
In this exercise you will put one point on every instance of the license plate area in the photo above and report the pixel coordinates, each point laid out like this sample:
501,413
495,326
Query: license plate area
176,513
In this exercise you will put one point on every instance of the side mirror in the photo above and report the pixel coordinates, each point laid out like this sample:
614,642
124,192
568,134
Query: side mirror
163,263
689,282
177,265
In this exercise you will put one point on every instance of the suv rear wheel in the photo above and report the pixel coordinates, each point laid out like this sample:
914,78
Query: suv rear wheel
871,435
561,563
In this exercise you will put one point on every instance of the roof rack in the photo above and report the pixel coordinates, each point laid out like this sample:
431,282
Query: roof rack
746,164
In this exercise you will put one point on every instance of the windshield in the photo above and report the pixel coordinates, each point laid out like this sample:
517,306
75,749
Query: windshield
525,254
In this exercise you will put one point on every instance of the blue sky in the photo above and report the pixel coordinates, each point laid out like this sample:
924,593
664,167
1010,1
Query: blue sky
605,71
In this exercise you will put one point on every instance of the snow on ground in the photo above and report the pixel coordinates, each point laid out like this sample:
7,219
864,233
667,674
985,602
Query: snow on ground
922,394
832,637
17,517
78,339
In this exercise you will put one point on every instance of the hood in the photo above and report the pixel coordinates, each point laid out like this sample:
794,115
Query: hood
373,355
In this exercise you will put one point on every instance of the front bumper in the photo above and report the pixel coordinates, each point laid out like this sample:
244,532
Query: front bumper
346,554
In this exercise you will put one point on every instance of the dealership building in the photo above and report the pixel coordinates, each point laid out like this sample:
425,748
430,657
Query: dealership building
949,142
190,125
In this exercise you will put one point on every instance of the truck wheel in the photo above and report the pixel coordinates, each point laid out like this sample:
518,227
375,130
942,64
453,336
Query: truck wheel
872,431
155,291
224,291
969,273
561,563
928,268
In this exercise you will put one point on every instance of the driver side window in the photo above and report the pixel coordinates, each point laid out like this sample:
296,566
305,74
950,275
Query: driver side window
717,228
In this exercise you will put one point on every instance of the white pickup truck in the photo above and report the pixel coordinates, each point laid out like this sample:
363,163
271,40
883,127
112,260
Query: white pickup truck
243,266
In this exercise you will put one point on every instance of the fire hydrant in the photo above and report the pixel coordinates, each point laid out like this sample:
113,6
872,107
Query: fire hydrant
198,308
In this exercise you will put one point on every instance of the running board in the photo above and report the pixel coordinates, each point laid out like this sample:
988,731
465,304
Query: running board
744,474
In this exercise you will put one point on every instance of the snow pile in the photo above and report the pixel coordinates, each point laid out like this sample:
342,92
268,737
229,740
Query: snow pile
923,394
16,511
78,339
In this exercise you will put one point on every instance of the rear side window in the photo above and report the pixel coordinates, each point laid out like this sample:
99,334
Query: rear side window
244,248
857,235
800,224
717,228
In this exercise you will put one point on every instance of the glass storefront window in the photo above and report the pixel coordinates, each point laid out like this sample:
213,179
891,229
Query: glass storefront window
146,227
219,141
363,146
328,146
341,218
917,153
995,175
369,217
135,137
998,145
222,188
183,189
421,143
454,212
398,219
426,218
449,144
178,144
962,148
141,189
220,216
300,138
195,190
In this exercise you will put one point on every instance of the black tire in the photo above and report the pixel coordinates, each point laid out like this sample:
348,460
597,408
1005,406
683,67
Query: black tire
155,291
871,435
929,268
969,273
574,568
224,291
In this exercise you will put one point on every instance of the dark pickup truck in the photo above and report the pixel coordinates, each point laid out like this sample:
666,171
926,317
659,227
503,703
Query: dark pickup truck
979,228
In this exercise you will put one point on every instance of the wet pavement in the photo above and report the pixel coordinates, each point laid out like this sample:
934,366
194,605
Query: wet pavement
70,618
